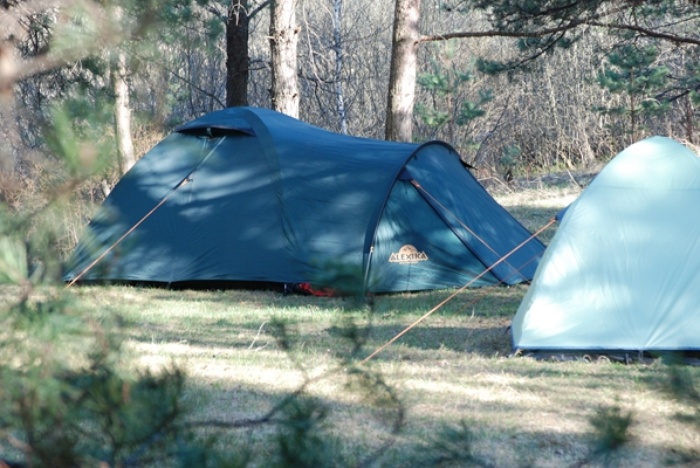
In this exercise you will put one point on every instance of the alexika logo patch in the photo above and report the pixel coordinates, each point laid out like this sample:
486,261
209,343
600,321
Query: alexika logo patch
408,254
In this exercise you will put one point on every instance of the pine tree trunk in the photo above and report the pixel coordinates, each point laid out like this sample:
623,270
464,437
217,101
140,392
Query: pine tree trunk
402,72
284,36
237,54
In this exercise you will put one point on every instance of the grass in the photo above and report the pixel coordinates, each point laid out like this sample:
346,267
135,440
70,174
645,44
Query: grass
452,371
454,367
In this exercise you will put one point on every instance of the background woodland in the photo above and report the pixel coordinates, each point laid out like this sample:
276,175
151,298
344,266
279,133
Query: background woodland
572,104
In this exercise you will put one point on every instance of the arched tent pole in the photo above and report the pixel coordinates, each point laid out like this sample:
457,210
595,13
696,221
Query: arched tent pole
182,183
453,295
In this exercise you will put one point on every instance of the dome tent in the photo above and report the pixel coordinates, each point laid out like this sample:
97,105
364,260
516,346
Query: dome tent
251,195
622,272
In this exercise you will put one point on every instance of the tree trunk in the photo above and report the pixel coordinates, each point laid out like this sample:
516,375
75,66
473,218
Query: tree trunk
338,49
237,54
402,72
284,36
10,133
125,146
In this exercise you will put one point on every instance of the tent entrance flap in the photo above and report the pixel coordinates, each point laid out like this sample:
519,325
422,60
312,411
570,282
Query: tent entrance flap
471,240
414,250
481,224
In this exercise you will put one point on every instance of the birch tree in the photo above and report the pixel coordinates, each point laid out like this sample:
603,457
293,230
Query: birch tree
337,19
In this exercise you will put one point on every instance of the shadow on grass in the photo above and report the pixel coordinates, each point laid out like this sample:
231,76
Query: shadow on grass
488,339
474,321
354,428
491,297
485,340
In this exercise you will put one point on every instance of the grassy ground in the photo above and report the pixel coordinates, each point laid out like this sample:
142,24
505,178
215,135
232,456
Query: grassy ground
454,368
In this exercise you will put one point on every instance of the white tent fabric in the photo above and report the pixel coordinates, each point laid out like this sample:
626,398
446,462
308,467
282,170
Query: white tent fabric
623,270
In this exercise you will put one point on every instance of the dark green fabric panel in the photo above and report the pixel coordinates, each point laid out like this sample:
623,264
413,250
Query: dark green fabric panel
409,220
333,188
138,192
222,225
484,226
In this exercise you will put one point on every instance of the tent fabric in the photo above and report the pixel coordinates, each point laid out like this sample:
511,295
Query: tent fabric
622,271
248,194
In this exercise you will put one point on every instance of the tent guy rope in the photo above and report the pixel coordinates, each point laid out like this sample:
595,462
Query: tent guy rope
182,183
487,290
455,294
126,234
459,221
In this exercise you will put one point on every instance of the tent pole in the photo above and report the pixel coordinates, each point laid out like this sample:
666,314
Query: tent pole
453,295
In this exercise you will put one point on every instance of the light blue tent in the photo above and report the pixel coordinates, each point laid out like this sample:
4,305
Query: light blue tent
252,195
623,269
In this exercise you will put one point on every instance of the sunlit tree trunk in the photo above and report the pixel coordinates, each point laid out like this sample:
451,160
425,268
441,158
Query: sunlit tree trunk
284,36
402,72
125,146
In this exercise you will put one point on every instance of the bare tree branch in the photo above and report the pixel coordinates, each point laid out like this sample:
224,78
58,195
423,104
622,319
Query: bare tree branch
676,39
593,20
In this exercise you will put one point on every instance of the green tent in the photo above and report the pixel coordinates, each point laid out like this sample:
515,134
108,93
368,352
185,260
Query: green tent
251,195
622,272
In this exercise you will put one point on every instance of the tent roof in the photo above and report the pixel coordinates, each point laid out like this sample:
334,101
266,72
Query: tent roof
623,269
284,134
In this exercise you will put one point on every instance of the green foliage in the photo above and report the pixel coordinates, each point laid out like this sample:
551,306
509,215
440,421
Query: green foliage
469,111
652,63
13,260
432,117
509,160
64,402
446,87
611,430
452,99
86,152
680,385
634,72
304,424
451,446
372,387
301,438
